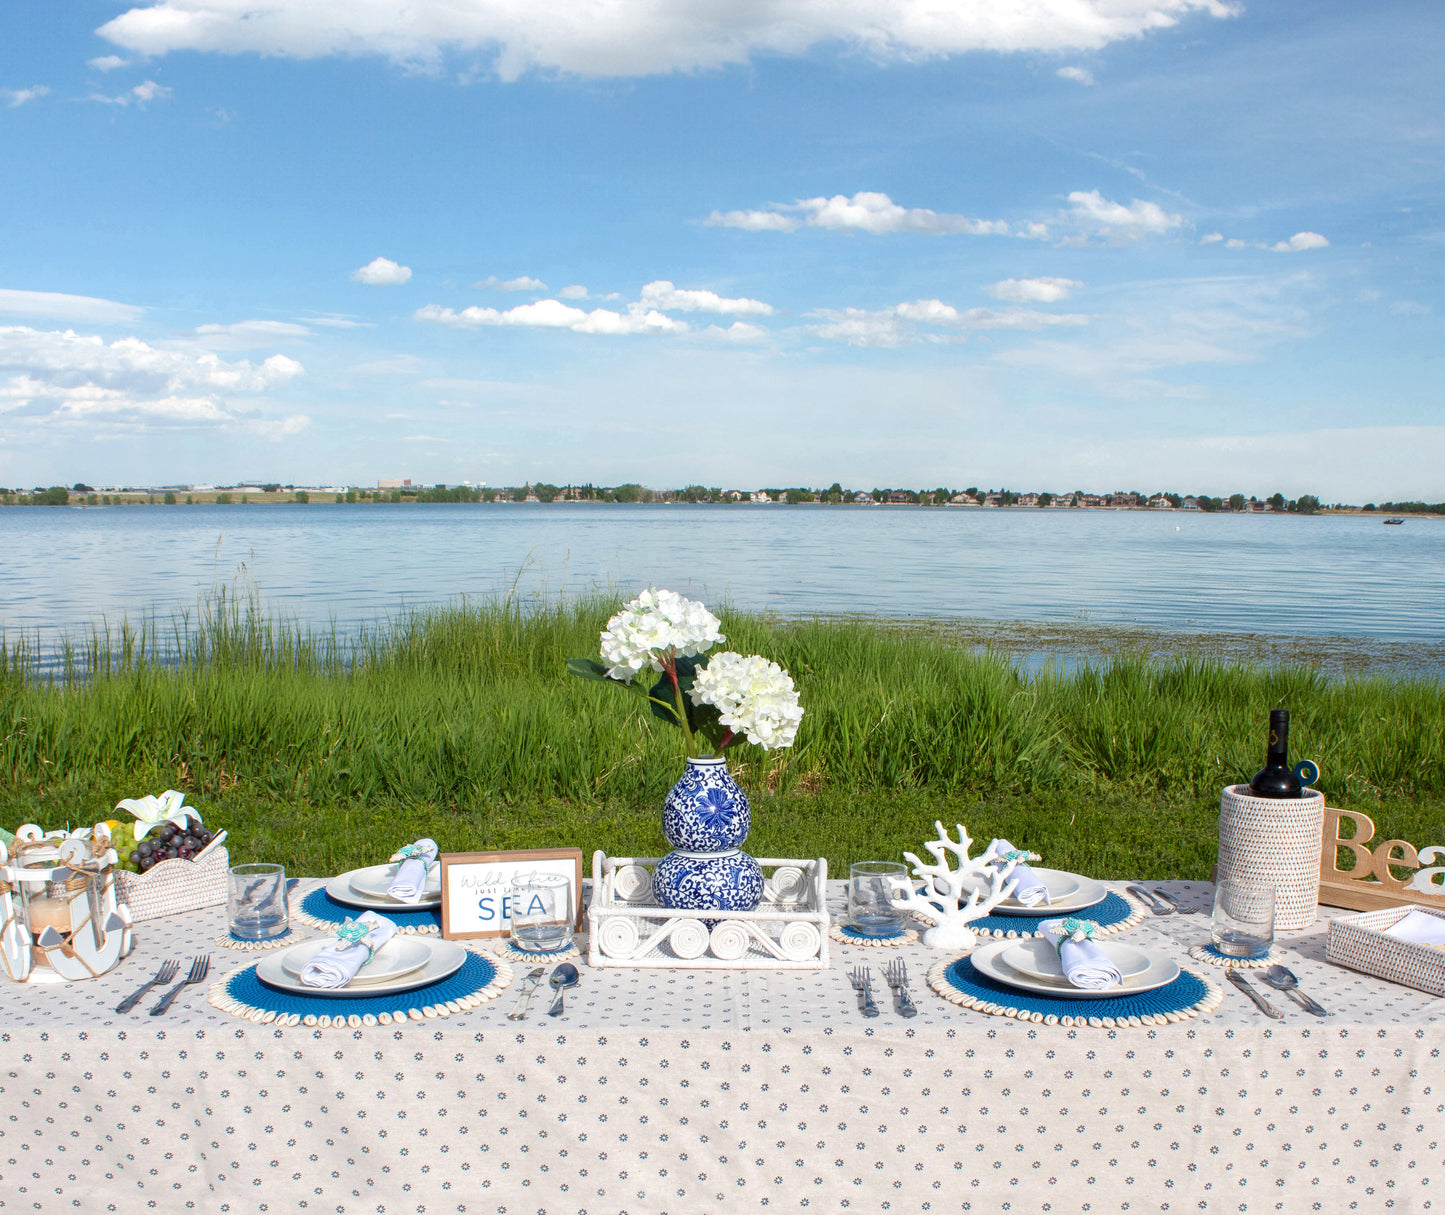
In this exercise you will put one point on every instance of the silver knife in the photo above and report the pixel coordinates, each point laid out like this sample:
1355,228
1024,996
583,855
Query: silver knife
1264,1006
529,985
1157,906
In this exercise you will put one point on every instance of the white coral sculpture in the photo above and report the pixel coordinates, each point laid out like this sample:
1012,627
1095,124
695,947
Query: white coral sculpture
941,898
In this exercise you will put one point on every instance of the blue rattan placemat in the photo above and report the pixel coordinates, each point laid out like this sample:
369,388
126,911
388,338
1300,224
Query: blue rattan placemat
320,910
1115,914
1188,996
480,979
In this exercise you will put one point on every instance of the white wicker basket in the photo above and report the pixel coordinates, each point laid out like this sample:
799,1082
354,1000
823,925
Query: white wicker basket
787,931
175,886
1360,942
1274,841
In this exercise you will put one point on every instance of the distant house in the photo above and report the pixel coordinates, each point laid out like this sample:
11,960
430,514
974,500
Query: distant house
900,497
760,497
1189,504
1092,501
393,483
864,499
1160,502
1118,499
734,495
962,500
1027,500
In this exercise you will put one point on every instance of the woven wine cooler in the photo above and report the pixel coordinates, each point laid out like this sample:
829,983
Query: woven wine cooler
1274,841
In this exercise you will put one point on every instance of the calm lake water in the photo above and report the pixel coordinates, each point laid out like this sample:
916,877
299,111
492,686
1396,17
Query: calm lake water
64,569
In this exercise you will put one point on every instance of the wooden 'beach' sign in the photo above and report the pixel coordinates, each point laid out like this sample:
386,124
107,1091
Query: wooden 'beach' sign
1370,885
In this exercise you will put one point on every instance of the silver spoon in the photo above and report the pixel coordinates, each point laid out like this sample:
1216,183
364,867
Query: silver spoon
1281,978
563,977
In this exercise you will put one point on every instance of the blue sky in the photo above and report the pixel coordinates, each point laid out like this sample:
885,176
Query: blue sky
1059,244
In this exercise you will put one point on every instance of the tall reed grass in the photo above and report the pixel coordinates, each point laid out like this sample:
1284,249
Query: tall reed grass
468,705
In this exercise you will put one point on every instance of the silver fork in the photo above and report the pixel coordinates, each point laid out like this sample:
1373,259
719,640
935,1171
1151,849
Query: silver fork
862,979
199,968
896,973
165,974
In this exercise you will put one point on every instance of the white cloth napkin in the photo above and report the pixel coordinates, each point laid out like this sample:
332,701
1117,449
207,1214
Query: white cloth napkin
1084,964
409,884
1419,927
337,964
1031,890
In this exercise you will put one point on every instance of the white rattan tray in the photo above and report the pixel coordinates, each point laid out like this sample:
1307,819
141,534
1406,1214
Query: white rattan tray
787,931
1361,943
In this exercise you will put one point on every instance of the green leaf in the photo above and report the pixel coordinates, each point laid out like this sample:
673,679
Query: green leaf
587,668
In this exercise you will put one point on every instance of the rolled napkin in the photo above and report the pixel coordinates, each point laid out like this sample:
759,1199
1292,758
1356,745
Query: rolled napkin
1084,964
1030,890
355,944
416,861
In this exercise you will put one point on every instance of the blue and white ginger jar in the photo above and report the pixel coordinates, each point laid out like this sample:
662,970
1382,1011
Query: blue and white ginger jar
705,818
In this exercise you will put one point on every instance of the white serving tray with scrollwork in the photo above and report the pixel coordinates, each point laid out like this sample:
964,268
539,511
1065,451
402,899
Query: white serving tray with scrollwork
787,931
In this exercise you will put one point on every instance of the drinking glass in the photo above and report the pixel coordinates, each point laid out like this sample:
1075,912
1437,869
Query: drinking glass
541,912
1243,918
872,885
256,901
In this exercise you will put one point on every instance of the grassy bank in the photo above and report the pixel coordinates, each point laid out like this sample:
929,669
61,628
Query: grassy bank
461,723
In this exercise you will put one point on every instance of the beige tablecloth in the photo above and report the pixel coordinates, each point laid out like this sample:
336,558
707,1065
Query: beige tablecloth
690,1093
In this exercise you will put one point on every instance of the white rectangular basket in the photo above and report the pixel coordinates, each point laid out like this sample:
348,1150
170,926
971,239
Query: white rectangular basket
175,886
1360,942
787,931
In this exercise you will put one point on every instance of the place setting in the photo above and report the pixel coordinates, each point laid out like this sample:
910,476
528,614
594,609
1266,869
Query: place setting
1069,973
377,966
407,891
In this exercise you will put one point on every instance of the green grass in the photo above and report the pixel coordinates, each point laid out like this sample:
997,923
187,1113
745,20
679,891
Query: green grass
461,723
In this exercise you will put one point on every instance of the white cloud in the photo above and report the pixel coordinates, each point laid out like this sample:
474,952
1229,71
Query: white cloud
664,296
281,428
54,305
107,63
752,221
553,314
1300,241
1077,74
866,211
636,37
574,292
381,272
332,321
739,332
18,97
65,377
146,91
524,283
1033,290
244,335
1210,238
897,325
1139,218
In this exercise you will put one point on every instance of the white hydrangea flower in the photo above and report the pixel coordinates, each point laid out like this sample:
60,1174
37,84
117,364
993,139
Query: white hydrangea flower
753,697
652,624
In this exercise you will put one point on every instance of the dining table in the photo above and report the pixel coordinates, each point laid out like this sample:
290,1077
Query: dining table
682,1091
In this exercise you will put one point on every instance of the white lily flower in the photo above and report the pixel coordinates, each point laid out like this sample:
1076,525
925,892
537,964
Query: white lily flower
151,811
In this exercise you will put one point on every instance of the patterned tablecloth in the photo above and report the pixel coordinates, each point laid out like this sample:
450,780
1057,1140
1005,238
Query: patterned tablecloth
690,1093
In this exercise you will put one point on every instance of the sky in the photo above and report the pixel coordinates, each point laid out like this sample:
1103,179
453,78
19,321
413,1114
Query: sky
1192,245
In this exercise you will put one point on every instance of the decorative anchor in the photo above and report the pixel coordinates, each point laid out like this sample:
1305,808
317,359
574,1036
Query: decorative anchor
941,898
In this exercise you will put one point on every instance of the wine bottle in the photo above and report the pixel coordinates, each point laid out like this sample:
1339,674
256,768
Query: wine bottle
1275,779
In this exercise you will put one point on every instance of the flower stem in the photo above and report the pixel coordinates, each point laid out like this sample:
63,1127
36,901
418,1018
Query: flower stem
669,664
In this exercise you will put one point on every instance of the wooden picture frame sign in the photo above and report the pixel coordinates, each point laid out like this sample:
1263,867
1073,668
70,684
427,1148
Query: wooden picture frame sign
476,894
1370,886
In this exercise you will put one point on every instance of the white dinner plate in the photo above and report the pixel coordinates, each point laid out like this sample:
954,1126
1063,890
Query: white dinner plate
341,888
446,958
1085,893
1037,957
988,961
399,956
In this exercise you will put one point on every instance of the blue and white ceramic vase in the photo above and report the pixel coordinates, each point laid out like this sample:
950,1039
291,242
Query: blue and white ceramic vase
705,818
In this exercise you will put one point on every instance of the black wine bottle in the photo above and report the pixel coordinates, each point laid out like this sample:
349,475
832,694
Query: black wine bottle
1275,779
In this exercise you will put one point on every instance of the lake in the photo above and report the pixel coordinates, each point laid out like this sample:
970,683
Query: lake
63,569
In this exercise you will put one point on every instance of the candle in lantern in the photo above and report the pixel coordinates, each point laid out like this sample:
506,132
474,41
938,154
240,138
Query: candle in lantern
49,913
